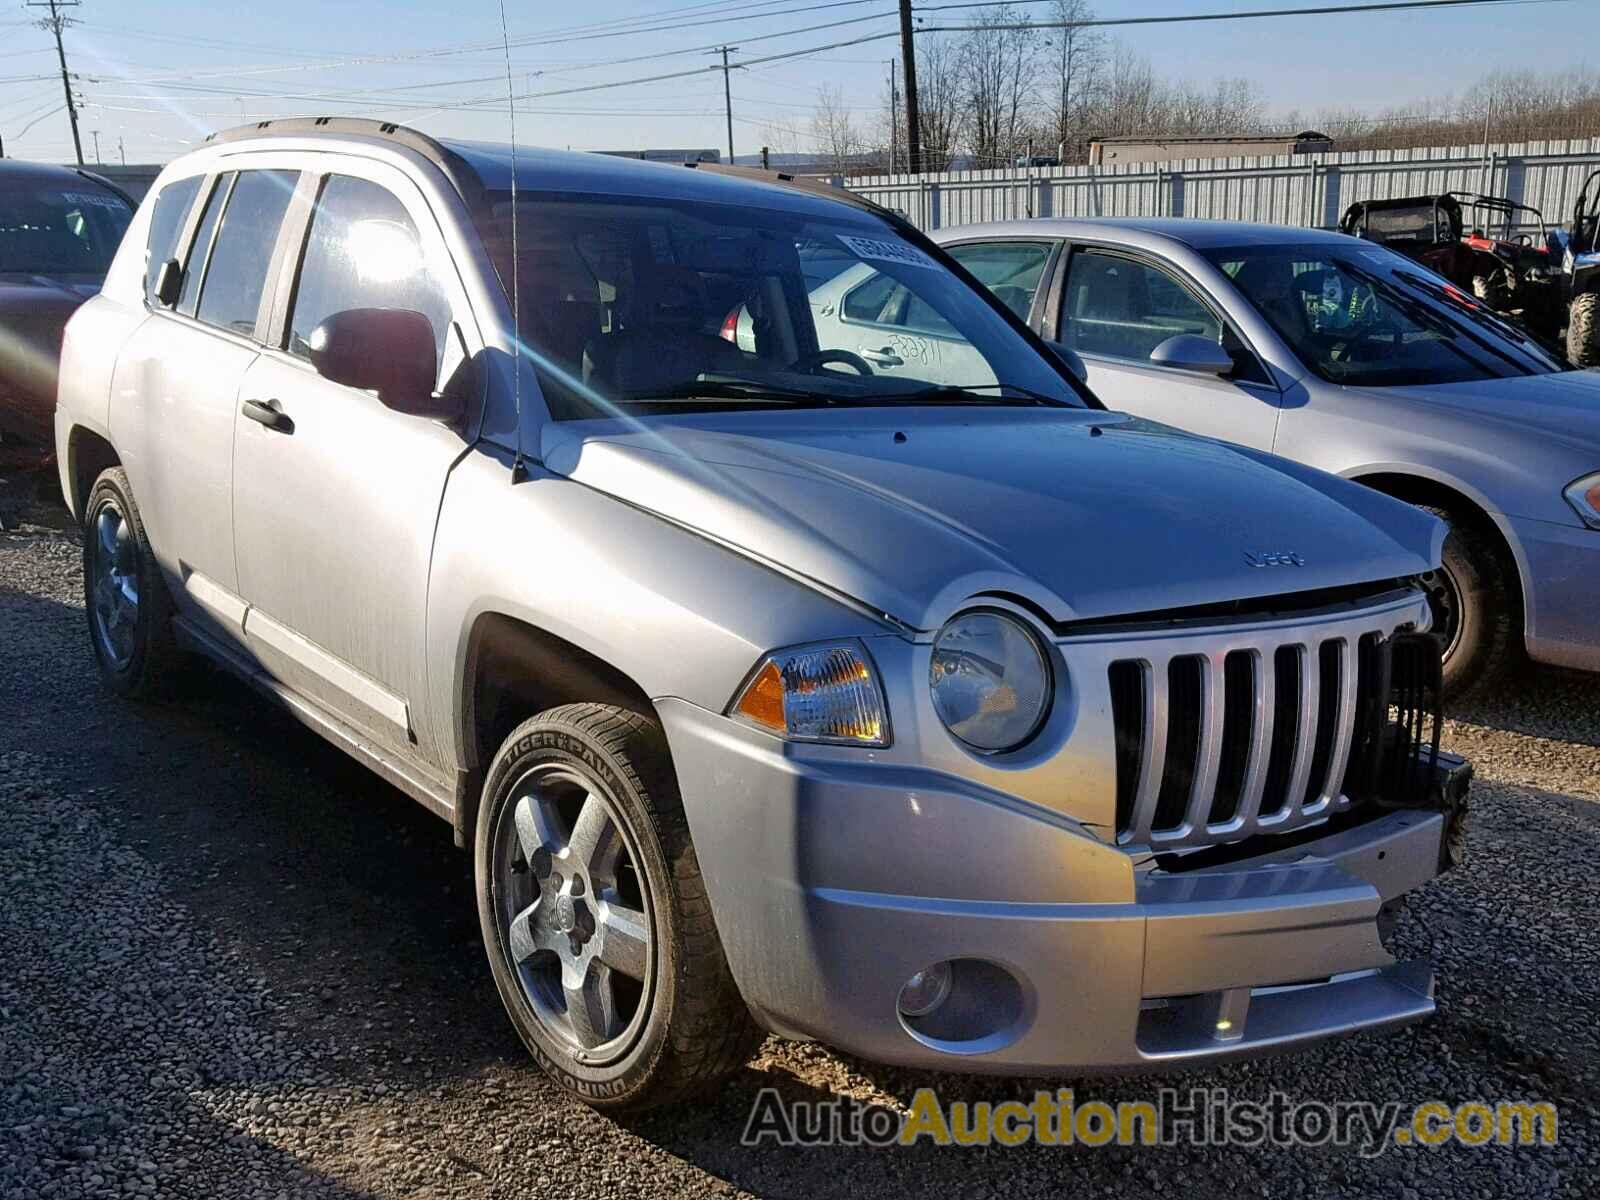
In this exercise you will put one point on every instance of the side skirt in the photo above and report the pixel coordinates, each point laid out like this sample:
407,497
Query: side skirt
431,791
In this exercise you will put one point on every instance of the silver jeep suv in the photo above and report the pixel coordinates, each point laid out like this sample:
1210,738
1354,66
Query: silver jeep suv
938,714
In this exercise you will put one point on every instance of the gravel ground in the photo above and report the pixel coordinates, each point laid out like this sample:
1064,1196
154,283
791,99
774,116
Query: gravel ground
233,964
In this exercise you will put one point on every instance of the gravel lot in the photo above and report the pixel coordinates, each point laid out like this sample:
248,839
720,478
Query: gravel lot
234,964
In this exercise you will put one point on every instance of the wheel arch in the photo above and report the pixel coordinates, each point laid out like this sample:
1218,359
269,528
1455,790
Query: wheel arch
88,454
1456,497
511,670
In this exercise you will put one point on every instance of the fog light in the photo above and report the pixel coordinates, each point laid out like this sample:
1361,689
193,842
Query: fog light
926,990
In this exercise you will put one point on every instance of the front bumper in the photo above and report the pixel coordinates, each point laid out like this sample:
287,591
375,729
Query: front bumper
1561,567
834,878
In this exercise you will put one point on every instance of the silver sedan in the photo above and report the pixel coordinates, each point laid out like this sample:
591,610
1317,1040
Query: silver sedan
1348,357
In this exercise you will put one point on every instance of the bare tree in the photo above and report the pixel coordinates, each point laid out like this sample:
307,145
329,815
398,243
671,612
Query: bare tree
999,61
939,101
834,132
1076,56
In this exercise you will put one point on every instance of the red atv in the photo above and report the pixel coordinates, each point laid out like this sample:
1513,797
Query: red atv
1474,242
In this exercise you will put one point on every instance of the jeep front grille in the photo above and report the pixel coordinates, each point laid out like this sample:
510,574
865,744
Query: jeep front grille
1217,741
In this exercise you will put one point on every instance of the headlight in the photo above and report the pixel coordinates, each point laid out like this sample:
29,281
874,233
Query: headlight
990,681
1584,496
822,693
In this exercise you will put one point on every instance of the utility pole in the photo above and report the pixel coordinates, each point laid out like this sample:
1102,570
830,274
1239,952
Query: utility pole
55,23
894,120
95,134
727,94
908,56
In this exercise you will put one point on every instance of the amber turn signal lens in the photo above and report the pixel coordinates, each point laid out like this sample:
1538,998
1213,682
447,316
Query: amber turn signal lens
762,700
826,693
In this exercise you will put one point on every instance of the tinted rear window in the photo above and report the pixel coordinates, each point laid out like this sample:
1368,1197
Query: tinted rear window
52,229
234,278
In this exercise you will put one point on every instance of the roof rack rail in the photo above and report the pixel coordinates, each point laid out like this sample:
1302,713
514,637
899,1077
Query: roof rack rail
455,168
798,182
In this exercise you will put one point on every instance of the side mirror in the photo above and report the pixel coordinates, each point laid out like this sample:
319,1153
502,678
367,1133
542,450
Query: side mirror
1070,356
389,351
1191,352
169,282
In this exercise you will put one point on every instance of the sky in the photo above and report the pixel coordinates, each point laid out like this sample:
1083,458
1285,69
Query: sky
156,77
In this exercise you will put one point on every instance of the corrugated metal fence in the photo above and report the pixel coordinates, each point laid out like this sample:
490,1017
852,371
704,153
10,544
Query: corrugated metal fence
1281,189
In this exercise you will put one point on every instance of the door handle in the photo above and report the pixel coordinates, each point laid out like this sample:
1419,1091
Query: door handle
269,413
883,358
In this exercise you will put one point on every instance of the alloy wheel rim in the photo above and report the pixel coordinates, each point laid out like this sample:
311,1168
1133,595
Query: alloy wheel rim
573,913
114,585
1444,601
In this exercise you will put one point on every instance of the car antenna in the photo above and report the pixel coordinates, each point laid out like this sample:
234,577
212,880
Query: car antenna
519,465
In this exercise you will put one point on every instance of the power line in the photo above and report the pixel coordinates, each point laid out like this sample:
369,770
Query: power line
55,23
1323,10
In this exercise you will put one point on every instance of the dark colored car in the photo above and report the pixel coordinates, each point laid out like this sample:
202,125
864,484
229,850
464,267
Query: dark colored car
59,229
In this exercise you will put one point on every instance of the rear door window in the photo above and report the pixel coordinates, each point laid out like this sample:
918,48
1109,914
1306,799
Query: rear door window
166,227
195,267
236,272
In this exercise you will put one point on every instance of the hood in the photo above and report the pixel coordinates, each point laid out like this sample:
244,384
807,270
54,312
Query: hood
1561,405
1083,514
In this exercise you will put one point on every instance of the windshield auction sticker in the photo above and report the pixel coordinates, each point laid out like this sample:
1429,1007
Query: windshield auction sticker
1200,1116
885,251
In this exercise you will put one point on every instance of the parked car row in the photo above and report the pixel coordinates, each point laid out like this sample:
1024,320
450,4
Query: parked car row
814,629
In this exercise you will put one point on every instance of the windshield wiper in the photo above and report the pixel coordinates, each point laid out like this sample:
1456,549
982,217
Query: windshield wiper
966,393
725,389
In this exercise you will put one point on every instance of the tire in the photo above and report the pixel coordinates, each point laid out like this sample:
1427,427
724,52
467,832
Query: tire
1478,639
1583,331
1492,290
551,906
126,600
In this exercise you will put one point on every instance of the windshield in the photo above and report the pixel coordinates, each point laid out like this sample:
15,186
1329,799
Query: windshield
650,305
1368,317
46,230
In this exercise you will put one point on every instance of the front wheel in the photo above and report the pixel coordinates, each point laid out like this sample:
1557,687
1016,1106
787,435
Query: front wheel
1472,609
595,915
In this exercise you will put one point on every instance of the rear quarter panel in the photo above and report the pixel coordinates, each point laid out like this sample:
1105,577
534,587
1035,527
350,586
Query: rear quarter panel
89,348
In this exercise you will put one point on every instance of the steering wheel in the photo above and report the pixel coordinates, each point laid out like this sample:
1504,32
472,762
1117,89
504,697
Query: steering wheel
811,362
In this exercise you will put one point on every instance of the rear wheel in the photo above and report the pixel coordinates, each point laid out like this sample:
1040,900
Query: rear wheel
595,915
128,605
1583,331
1472,607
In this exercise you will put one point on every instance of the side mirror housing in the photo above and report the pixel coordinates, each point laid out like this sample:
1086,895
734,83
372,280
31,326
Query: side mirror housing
1070,356
1191,352
389,351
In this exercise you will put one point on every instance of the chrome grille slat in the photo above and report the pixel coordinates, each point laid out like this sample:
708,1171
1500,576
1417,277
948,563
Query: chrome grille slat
1306,745
1154,765
1346,728
1204,788
1255,774
1231,792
